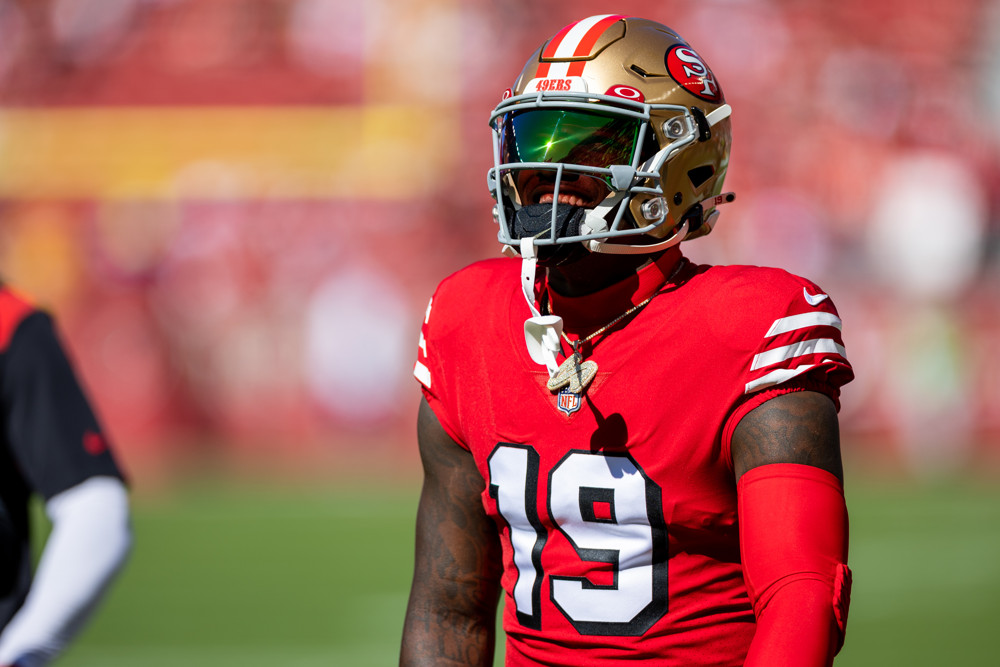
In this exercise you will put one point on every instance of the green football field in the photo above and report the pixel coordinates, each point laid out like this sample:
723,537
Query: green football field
234,574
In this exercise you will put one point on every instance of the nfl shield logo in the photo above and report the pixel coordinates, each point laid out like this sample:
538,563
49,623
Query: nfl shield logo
568,402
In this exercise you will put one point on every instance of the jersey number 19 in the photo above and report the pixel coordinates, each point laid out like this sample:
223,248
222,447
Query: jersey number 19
610,512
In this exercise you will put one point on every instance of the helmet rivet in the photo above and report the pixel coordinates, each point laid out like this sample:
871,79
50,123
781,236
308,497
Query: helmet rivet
678,198
496,213
654,209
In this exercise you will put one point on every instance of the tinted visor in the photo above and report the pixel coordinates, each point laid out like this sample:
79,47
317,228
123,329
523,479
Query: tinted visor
572,136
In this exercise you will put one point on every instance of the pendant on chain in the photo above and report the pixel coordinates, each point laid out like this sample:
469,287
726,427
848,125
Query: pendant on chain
572,374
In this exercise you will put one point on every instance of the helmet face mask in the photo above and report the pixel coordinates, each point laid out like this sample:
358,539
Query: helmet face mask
630,127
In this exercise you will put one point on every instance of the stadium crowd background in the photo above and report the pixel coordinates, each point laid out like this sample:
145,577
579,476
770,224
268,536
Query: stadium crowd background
238,208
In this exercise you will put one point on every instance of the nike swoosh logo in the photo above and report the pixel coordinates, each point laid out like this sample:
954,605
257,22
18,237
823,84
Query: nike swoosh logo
814,299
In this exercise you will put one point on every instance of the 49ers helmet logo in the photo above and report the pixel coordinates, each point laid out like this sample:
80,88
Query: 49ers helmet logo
688,69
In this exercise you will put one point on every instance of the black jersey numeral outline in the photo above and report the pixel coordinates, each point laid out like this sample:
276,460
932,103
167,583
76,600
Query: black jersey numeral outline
629,501
527,472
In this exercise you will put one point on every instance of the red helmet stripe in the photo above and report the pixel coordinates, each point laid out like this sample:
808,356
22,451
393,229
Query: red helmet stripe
576,40
589,39
551,47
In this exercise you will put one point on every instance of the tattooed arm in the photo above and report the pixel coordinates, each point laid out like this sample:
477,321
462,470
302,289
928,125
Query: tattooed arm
793,529
451,616
800,427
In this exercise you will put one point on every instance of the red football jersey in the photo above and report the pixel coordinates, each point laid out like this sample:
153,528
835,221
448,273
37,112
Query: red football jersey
617,512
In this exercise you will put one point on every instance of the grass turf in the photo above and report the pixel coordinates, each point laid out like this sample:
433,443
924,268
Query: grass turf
227,574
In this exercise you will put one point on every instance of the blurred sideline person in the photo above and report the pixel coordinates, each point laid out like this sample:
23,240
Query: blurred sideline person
53,447
642,453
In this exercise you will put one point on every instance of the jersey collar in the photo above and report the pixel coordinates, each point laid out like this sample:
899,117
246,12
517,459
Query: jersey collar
585,313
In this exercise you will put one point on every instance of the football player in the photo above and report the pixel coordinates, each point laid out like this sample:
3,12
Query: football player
640,452
51,447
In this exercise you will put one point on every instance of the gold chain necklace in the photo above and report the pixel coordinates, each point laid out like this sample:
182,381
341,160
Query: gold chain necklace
573,373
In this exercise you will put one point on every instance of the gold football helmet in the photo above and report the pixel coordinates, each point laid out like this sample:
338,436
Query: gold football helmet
615,128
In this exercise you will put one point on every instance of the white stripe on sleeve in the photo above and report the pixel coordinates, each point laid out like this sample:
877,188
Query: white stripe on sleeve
776,377
803,321
422,373
779,354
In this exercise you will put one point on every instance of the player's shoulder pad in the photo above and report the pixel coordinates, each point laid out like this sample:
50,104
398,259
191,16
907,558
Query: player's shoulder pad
481,275
476,286
14,308
764,289
787,325
743,304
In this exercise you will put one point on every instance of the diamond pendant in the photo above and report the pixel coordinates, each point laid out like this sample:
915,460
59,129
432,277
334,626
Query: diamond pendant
573,375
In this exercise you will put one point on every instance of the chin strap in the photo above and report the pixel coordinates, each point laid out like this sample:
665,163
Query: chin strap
609,248
625,249
541,332
596,219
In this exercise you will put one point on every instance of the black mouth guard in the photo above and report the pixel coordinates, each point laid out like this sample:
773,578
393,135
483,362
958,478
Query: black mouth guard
535,221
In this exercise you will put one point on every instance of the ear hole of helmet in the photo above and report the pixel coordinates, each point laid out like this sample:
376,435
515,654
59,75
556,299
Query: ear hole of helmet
699,175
